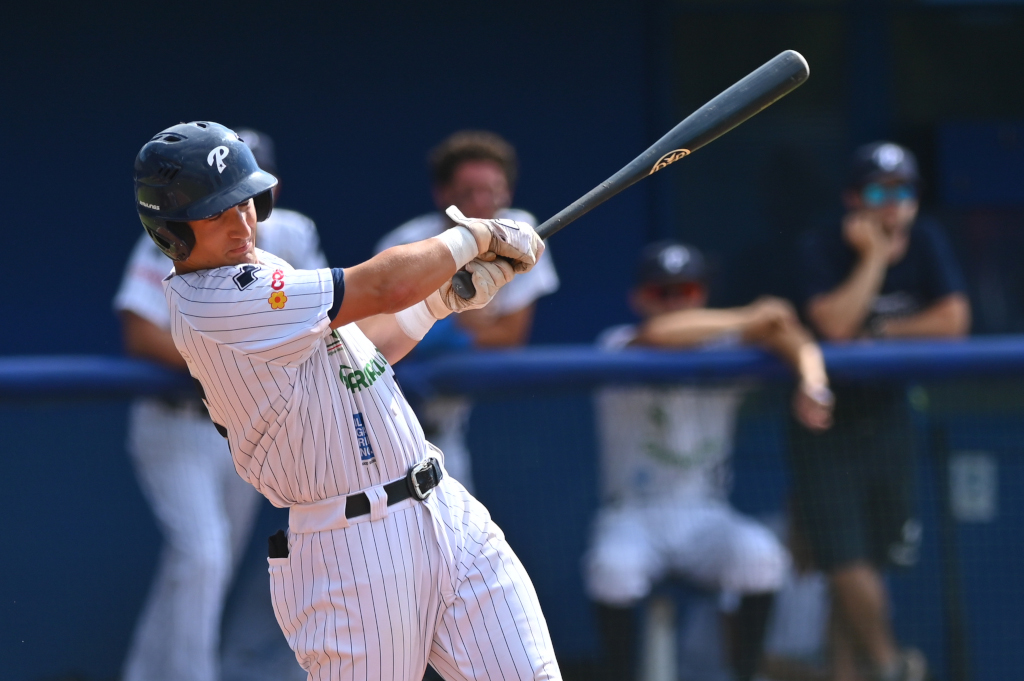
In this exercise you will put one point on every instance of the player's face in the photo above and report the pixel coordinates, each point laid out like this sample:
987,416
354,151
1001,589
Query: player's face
892,201
224,239
478,188
656,299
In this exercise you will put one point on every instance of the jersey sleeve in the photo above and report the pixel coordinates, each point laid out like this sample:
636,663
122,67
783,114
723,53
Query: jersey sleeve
269,311
141,291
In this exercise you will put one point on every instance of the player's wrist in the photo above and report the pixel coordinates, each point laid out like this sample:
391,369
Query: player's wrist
461,243
416,321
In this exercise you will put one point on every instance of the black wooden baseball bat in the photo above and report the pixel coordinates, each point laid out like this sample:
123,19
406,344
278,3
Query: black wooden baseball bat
756,91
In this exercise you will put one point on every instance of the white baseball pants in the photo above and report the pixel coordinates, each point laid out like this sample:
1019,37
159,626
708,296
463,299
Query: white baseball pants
205,512
378,596
706,541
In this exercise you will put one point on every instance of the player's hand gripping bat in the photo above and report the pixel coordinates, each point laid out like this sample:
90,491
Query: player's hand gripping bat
774,79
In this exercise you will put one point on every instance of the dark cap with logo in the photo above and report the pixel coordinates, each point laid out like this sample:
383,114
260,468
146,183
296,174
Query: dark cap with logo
882,161
670,262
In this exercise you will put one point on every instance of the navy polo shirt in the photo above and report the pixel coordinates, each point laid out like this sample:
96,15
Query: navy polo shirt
927,272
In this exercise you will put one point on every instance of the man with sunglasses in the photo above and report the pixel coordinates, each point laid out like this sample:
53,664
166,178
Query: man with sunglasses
885,273
664,461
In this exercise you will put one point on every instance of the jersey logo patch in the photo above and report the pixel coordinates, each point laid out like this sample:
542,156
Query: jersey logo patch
245,277
357,379
366,454
277,280
218,154
277,300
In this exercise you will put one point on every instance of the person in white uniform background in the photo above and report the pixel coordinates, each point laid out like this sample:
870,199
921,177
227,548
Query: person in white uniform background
204,509
475,171
664,457
388,562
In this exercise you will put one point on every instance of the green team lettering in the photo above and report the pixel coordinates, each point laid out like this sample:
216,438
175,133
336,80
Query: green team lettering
357,379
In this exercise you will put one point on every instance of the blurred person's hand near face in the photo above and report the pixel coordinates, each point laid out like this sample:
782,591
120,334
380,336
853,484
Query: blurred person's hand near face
878,219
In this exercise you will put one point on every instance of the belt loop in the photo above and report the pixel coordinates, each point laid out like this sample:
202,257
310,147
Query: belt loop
378,502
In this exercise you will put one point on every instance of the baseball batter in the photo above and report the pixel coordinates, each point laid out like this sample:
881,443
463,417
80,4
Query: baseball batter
664,461
388,563
204,509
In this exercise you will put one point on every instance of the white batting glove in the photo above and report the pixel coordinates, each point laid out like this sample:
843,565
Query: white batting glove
511,239
488,277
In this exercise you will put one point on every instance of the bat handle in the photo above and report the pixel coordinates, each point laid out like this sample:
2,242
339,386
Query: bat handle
462,282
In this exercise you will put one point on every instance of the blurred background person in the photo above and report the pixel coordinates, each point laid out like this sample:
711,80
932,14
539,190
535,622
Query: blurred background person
204,509
665,462
475,171
883,273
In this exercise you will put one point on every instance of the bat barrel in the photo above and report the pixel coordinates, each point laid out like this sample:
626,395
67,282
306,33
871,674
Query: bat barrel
757,90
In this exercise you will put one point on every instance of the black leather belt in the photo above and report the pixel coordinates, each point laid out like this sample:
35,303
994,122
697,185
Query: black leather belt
419,482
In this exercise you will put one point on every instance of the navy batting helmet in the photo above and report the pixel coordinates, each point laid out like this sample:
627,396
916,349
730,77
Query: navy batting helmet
193,171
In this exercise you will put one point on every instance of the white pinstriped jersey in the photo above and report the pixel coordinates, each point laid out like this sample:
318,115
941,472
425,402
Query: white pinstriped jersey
310,413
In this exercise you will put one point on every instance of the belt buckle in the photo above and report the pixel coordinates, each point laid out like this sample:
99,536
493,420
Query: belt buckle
428,464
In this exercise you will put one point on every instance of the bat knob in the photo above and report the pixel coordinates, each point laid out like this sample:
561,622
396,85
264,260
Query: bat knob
462,282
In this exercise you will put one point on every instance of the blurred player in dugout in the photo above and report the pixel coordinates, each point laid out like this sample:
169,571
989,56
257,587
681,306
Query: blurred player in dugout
475,171
204,509
882,273
665,462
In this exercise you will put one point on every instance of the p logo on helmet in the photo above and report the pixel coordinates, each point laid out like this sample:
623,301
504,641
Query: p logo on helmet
181,177
218,155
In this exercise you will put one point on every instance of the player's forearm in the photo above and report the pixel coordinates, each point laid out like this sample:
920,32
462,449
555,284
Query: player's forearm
795,346
840,314
387,336
146,340
394,280
950,317
689,328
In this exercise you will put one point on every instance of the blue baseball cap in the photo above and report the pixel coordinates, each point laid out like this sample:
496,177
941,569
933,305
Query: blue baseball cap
882,161
670,262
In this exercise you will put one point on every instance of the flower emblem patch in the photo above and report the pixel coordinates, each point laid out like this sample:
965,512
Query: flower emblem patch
277,300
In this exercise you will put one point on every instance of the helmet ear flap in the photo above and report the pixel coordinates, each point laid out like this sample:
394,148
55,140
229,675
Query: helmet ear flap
264,204
175,239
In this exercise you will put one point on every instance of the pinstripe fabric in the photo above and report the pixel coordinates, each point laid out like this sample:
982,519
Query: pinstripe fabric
310,413
313,415
432,581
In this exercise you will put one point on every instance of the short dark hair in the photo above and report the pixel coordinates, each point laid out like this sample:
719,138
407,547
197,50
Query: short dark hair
472,145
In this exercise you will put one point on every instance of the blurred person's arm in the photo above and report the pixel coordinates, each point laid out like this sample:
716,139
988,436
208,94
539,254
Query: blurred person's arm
949,317
691,328
146,340
791,342
840,313
768,322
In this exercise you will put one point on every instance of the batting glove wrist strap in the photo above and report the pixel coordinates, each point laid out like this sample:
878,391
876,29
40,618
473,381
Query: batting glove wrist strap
462,244
511,239
415,321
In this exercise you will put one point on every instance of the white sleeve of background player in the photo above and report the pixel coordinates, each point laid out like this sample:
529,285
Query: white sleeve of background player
269,311
525,289
141,290
292,237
